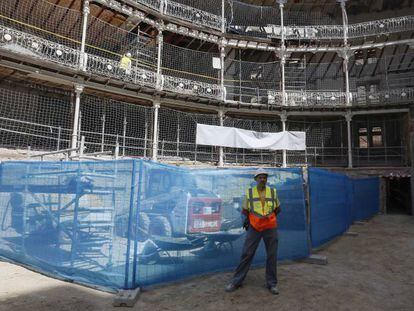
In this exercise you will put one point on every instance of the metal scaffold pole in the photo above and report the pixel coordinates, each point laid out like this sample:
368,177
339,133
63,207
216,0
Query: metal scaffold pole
156,106
348,118
221,151
283,118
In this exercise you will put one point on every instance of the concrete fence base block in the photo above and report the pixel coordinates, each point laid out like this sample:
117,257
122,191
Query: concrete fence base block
351,233
316,259
126,298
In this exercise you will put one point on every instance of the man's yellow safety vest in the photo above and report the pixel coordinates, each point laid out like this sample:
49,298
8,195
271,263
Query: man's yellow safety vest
261,216
125,63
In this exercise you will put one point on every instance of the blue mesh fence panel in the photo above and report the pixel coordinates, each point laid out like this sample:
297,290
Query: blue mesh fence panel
365,198
193,222
68,219
122,224
330,205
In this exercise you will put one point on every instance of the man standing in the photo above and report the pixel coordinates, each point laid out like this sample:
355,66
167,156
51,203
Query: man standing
261,206
126,63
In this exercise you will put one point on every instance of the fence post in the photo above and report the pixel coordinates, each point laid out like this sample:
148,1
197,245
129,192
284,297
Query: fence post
136,217
305,172
130,219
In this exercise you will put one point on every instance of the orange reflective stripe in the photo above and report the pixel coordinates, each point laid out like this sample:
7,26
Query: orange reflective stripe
263,223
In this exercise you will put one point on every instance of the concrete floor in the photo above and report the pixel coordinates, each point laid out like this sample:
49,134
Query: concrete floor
373,271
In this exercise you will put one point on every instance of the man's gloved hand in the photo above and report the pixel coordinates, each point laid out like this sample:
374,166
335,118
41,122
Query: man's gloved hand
246,224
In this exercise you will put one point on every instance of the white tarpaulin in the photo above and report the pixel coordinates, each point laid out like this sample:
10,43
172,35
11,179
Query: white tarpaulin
237,138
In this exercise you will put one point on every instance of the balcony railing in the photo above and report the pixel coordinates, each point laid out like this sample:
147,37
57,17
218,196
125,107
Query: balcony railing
251,20
18,42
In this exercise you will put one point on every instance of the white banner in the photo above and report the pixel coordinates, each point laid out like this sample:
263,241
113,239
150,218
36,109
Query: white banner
237,138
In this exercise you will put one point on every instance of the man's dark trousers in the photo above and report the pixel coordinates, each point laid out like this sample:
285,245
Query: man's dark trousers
253,237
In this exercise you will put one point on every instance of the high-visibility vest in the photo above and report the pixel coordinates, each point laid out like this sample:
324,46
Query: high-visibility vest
262,217
125,63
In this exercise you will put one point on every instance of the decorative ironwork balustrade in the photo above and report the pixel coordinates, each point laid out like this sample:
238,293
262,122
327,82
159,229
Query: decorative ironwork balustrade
190,87
193,15
18,42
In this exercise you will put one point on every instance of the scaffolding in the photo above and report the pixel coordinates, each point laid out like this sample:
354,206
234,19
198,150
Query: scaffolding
100,49
104,52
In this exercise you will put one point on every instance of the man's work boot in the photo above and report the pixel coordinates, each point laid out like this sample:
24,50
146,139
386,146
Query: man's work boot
274,290
231,287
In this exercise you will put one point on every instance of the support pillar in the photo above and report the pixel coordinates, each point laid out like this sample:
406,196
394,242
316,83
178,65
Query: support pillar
160,43
283,87
156,106
223,14
222,58
83,56
282,50
78,91
344,20
222,49
345,53
283,118
221,151
348,118
346,71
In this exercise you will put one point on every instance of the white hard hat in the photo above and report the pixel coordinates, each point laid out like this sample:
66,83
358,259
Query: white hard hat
260,171
128,54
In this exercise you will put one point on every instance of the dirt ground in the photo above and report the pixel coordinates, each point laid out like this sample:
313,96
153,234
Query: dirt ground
372,271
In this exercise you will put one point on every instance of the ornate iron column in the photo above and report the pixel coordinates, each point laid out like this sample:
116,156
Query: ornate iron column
83,56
